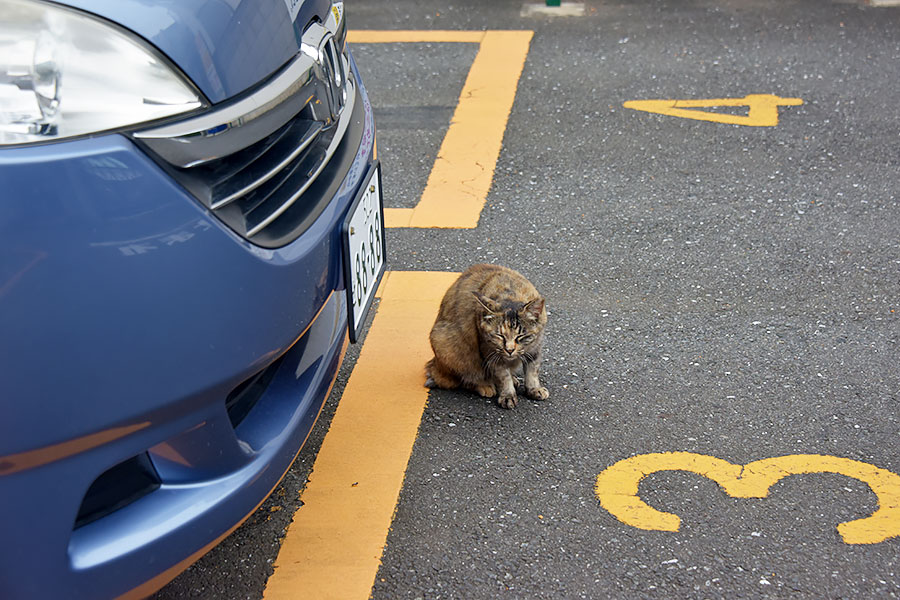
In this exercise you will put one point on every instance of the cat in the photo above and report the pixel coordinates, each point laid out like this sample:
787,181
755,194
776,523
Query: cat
490,326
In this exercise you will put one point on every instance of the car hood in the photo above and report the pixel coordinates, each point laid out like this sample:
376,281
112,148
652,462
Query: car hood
223,46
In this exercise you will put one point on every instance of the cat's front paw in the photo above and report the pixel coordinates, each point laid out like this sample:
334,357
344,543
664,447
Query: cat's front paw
508,400
540,393
487,390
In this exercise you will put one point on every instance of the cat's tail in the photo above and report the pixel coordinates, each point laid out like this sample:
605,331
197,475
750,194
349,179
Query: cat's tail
429,381
439,376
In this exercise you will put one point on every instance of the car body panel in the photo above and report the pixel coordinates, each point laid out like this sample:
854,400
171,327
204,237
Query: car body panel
129,315
174,243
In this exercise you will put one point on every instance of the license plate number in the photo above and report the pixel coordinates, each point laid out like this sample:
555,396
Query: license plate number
364,250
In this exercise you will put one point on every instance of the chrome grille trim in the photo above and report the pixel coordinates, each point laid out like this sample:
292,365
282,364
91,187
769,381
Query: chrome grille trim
335,71
336,140
250,161
308,139
233,127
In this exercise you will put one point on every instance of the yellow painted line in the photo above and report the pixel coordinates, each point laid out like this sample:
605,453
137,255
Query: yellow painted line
372,36
463,171
397,217
333,546
762,109
617,488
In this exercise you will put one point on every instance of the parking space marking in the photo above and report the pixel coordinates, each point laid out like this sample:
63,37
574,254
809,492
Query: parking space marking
461,177
333,546
390,36
617,488
762,109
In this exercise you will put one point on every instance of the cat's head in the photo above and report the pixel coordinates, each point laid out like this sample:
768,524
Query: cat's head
511,329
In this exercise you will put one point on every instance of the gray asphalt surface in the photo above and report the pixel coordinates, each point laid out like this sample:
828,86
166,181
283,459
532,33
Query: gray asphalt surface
718,289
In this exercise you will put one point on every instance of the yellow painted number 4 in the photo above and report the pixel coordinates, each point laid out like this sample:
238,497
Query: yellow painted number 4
762,109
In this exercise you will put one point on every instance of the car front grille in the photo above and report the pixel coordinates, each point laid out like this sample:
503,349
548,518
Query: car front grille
250,189
261,163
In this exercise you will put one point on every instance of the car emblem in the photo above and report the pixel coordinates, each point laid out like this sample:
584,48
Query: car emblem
331,73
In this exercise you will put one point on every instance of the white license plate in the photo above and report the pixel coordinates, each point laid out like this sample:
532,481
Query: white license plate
364,249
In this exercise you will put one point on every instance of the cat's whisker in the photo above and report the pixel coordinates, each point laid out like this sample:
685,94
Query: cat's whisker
490,362
487,365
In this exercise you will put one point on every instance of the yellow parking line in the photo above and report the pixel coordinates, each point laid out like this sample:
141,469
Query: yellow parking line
372,36
462,174
333,546
397,217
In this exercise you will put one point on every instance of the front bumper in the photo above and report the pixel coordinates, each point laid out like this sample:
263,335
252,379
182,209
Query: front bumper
129,316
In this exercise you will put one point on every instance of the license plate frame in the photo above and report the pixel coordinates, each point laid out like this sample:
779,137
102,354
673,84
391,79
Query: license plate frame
364,250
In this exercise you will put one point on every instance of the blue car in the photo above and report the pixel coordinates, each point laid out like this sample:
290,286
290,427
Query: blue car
191,232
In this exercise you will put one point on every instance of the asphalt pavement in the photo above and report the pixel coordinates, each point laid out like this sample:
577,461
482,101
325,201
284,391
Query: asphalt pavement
725,290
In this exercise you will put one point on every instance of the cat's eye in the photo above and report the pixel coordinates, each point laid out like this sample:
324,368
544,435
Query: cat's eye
524,339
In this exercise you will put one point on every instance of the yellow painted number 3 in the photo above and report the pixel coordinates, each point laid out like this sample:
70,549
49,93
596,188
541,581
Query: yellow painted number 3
617,488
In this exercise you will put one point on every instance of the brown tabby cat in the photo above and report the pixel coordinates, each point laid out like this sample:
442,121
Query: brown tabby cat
490,325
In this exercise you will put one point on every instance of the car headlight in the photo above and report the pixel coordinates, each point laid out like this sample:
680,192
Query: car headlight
64,73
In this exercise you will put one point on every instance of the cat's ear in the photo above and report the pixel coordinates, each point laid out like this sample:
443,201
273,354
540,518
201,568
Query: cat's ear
533,309
486,303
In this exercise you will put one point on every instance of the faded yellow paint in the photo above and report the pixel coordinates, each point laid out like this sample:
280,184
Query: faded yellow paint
762,109
393,36
397,217
463,171
333,546
617,488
